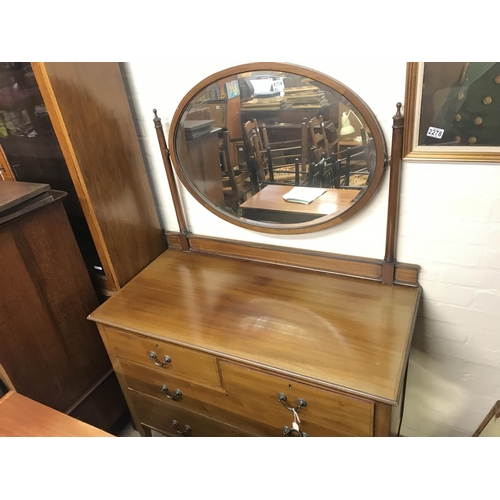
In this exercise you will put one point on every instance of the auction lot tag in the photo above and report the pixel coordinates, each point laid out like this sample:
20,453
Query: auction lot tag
437,133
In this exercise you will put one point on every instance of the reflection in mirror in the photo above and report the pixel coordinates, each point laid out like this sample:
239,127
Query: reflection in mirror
275,147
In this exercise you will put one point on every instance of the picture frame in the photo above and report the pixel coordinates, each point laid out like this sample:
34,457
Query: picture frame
452,112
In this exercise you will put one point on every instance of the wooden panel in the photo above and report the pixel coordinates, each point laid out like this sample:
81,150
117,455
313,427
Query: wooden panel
89,110
349,334
184,363
342,265
122,382
160,416
23,417
406,274
49,350
349,415
174,242
321,261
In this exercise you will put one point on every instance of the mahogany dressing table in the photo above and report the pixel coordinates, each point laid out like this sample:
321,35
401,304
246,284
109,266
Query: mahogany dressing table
223,338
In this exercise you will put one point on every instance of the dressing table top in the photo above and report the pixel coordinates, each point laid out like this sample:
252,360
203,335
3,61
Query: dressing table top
345,333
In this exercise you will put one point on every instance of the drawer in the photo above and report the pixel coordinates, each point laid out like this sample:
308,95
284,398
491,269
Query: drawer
214,403
348,415
175,421
184,363
169,389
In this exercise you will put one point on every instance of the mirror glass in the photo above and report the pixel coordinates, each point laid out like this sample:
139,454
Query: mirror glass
277,148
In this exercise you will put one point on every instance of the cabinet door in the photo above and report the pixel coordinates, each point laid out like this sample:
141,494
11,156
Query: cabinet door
49,351
88,105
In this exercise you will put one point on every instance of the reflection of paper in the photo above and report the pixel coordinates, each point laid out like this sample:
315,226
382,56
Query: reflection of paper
304,195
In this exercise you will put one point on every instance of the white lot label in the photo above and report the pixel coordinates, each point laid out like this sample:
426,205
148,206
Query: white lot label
435,132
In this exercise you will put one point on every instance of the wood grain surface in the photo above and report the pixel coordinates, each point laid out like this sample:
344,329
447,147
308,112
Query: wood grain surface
23,417
48,349
340,332
89,110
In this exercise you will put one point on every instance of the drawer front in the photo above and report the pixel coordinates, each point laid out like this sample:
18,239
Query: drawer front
172,359
175,421
214,403
176,391
345,414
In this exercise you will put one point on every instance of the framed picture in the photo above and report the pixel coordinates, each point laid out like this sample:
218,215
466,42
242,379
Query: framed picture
452,111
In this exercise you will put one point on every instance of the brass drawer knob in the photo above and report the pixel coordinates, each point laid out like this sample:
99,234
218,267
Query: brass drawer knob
185,432
153,357
175,397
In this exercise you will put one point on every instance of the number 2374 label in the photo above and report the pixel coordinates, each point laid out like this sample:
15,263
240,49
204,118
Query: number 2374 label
437,133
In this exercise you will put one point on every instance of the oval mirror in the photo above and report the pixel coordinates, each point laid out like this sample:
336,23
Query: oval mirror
277,148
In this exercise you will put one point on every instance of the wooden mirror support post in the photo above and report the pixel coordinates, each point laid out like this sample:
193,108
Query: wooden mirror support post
389,264
180,239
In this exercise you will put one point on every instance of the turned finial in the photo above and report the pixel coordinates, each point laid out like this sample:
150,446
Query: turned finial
156,119
398,118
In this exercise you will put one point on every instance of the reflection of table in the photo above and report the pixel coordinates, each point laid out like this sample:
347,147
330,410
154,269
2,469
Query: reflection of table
268,205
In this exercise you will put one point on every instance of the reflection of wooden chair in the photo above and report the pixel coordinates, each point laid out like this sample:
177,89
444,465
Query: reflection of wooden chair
254,149
321,146
323,173
238,183
352,168
287,160
283,162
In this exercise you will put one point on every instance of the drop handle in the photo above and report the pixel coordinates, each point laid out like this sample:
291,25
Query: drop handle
185,432
290,430
153,357
301,403
175,397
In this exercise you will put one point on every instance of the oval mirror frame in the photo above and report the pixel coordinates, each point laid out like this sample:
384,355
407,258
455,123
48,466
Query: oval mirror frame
280,228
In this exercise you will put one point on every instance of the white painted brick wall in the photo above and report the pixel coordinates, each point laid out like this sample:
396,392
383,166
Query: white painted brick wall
449,225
